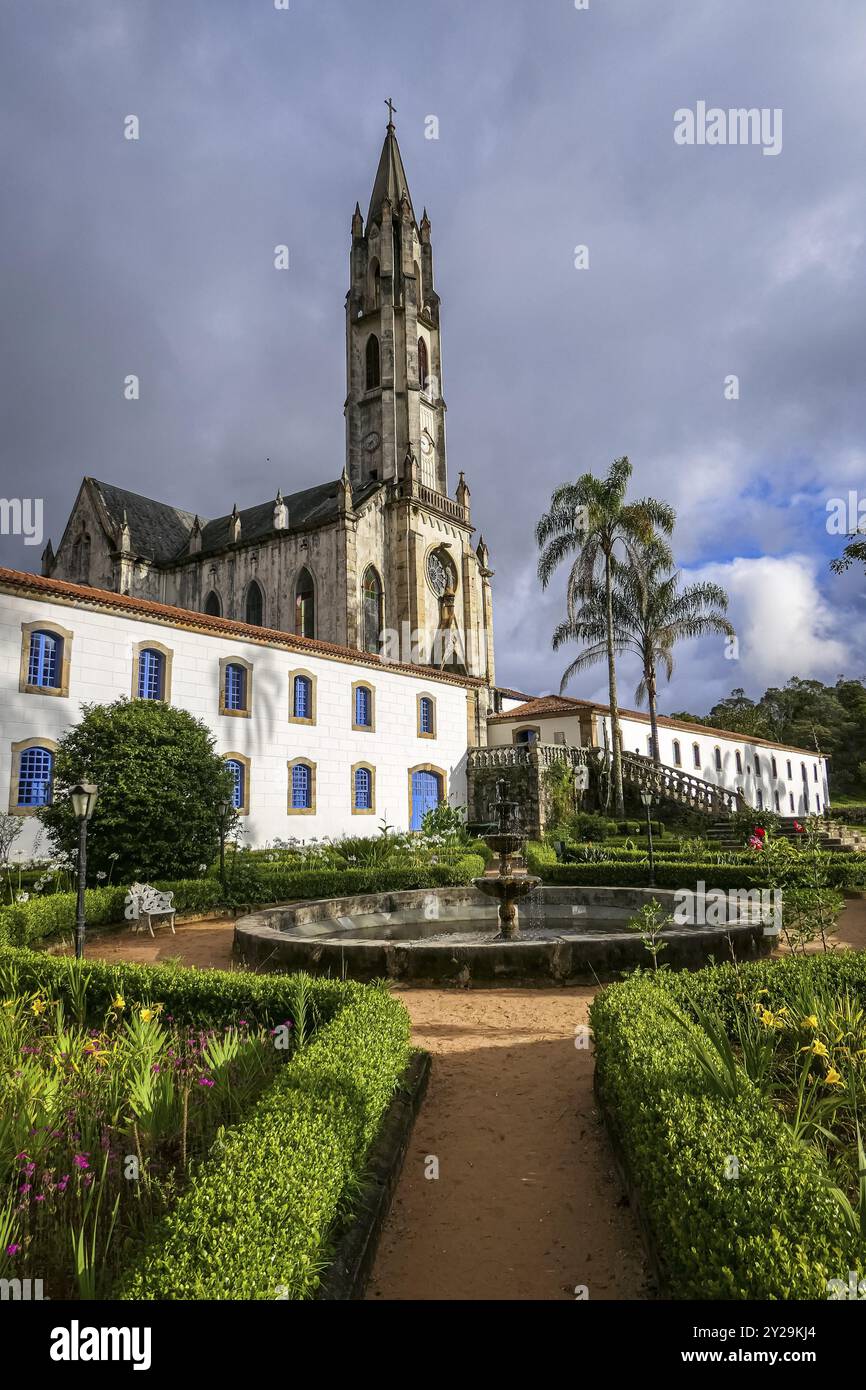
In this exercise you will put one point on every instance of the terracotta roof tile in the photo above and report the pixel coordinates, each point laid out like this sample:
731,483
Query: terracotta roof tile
82,595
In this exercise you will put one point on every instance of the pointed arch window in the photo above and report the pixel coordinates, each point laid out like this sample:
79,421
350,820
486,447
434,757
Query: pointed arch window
373,363
423,364
373,616
212,605
696,754
255,604
678,759
305,605
739,762
717,754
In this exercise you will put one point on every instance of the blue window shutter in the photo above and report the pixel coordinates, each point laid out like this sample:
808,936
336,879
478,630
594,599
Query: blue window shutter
35,774
43,662
426,715
235,691
237,770
150,675
362,705
303,701
363,789
301,787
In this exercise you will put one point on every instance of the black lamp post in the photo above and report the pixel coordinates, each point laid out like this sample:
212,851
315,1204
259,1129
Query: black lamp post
646,797
83,798
225,808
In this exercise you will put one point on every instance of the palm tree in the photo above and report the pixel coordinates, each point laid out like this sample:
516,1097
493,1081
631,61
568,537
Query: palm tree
591,521
650,615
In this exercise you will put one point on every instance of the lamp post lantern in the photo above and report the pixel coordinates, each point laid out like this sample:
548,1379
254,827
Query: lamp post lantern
646,797
83,798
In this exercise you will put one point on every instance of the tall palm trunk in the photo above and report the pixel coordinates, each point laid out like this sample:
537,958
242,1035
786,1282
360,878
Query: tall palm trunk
650,678
619,800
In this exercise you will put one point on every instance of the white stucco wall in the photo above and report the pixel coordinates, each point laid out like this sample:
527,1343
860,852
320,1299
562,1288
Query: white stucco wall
101,670
636,733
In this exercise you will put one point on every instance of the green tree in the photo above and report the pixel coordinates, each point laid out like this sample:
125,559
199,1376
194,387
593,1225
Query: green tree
160,788
590,522
650,615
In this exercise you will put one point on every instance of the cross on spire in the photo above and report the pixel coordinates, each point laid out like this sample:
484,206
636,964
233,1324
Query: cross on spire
391,109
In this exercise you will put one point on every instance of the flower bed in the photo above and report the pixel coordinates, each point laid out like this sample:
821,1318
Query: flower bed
117,1081
705,1084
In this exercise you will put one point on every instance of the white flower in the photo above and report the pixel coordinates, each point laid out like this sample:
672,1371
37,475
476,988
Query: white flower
22,897
202,868
101,874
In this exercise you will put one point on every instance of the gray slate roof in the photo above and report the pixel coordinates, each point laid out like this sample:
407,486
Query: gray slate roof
161,532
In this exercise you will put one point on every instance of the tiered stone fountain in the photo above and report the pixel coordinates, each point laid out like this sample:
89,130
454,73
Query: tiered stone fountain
507,887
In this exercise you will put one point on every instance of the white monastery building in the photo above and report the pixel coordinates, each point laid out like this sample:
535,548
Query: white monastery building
337,641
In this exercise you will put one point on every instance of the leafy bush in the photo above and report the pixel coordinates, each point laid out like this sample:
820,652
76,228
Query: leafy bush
776,1231
848,871
160,787
586,825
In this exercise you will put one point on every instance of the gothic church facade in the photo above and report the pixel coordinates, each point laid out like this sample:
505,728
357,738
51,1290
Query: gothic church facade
382,559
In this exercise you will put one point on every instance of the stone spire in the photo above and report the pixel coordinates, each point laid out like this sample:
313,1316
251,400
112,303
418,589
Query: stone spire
390,182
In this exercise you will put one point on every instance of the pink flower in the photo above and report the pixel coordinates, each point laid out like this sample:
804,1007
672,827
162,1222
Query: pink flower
81,1161
205,1081
12,1249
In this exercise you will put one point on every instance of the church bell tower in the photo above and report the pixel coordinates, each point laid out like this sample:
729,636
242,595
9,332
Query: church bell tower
394,407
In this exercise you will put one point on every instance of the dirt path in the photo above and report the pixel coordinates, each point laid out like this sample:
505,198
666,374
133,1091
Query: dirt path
527,1204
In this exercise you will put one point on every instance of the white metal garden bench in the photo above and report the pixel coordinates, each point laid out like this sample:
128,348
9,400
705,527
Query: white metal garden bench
143,904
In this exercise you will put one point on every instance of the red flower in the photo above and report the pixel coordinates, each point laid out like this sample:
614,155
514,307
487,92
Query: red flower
760,831
798,827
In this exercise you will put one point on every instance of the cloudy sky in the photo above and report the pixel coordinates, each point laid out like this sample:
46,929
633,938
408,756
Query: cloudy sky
261,126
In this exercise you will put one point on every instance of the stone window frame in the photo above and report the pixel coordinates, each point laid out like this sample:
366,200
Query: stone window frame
425,695
246,764
363,810
718,760
247,591
697,757
308,675
246,712
526,729
677,753
54,630
364,728
168,656
427,767
301,810
50,745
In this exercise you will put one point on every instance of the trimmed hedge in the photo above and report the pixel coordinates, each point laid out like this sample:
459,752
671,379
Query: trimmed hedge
261,1214
258,1221
54,913
774,1233
740,871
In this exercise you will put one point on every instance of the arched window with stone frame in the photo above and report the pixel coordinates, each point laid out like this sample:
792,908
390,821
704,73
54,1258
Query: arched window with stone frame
254,606
305,605
372,363
423,364
372,610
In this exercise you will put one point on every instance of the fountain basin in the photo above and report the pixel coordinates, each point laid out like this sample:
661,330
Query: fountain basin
450,936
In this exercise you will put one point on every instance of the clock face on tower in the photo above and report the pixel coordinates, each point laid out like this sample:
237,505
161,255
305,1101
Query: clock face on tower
371,442
426,444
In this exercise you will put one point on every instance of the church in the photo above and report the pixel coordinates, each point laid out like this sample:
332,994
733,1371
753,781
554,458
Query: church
380,557
338,640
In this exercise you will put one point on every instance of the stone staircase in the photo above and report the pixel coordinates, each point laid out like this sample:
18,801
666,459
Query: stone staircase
850,836
722,837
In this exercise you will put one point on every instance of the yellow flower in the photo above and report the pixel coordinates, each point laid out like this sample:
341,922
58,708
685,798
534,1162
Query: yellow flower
38,1006
811,1022
833,1078
762,991
118,1002
147,1015
816,1047
9,1003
